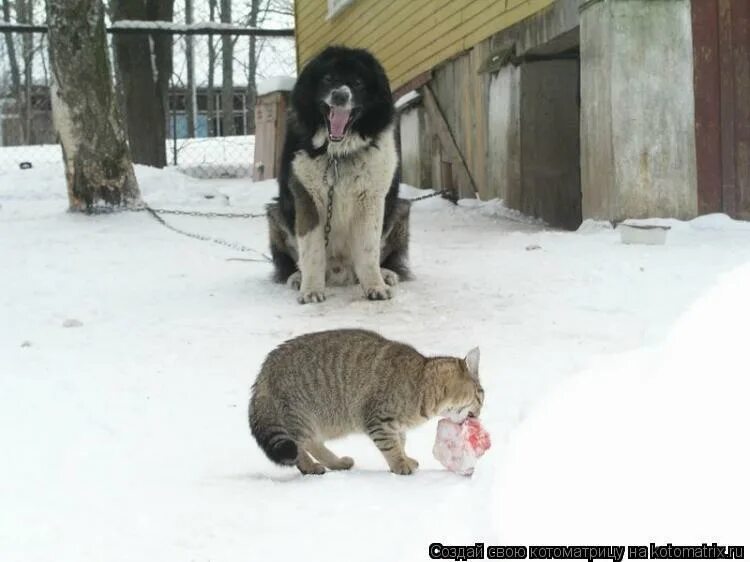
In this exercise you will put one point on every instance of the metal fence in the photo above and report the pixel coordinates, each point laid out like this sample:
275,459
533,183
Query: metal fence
205,139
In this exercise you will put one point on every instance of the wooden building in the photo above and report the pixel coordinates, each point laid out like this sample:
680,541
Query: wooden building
565,109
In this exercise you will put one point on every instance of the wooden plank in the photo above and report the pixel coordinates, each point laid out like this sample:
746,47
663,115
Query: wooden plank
741,54
399,23
496,20
480,88
421,33
726,57
413,84
706,78
371,20
409,37
447,142
327,32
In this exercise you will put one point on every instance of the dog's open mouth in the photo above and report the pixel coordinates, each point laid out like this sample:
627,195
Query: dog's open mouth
339,120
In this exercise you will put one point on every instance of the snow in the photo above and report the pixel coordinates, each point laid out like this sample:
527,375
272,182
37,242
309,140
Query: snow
615,381
212,157
407,98
199,27
659,434
276,84
215,157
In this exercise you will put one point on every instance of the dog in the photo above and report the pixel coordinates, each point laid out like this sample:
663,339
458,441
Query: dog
338,219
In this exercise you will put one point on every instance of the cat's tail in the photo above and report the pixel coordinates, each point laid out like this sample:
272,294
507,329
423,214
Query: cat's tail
267,427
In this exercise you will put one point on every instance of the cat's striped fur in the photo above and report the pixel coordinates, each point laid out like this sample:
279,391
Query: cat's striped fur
326,385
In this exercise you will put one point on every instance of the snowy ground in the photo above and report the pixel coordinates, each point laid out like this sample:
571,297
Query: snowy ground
214,157
615,379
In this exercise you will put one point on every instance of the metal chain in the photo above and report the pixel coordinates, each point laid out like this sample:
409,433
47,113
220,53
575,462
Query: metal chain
329,211
155,212
430,195
102,210
220,241
208,214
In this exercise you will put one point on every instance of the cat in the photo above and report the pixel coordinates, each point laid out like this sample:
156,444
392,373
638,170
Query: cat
325,385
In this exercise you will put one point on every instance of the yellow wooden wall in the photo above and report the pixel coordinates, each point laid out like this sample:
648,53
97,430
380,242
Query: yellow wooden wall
408,36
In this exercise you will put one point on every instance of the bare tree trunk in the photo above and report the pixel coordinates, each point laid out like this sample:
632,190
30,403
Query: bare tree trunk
227,81
210,99
162,10
144,64
15,73
24,14
252,65
111,8
190,97
97,160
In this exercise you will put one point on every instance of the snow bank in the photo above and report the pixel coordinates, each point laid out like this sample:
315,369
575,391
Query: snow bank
407,99
196,27
209,157
648,446
276,84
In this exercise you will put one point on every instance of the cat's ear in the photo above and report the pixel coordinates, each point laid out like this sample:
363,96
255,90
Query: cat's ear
472,362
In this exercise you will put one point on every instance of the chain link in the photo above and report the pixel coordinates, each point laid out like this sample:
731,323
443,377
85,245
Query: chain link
329,211
155,212
208,214
430,195
220,241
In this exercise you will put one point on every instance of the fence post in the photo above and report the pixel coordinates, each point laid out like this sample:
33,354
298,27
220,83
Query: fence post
173,103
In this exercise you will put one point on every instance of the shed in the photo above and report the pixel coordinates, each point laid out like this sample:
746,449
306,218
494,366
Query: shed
564,109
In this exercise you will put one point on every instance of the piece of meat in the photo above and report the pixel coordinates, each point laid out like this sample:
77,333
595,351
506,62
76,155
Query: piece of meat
459,445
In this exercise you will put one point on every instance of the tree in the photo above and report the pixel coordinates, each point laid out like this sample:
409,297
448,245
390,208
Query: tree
211,99
144,64
252,66
227,84
15,73
282,12
190,97
98,165
25,14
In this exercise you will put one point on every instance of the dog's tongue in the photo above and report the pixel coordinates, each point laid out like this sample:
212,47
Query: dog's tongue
338,118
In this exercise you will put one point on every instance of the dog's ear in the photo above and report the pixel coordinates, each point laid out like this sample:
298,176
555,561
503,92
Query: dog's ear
303,98
472,362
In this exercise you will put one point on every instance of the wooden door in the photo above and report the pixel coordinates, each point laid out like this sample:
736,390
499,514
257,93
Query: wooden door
721,48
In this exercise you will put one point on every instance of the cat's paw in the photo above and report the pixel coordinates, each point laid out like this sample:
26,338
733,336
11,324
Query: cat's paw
313,468
344,463
295,280
306,297
391,278
405,466
378,293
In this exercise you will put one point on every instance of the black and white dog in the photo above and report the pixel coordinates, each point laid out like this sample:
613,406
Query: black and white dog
338,218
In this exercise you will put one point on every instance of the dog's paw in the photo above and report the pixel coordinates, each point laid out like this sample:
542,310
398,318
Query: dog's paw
391,278
295,280
307,297
378,293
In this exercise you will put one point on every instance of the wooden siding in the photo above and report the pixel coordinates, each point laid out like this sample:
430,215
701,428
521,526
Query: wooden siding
408,36
721,43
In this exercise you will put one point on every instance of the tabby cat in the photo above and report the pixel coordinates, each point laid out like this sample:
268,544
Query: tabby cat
326,385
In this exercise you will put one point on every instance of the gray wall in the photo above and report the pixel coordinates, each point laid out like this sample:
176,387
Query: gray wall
637,121
630,152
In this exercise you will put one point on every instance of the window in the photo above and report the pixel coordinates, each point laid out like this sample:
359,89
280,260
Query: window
335,6
239,124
